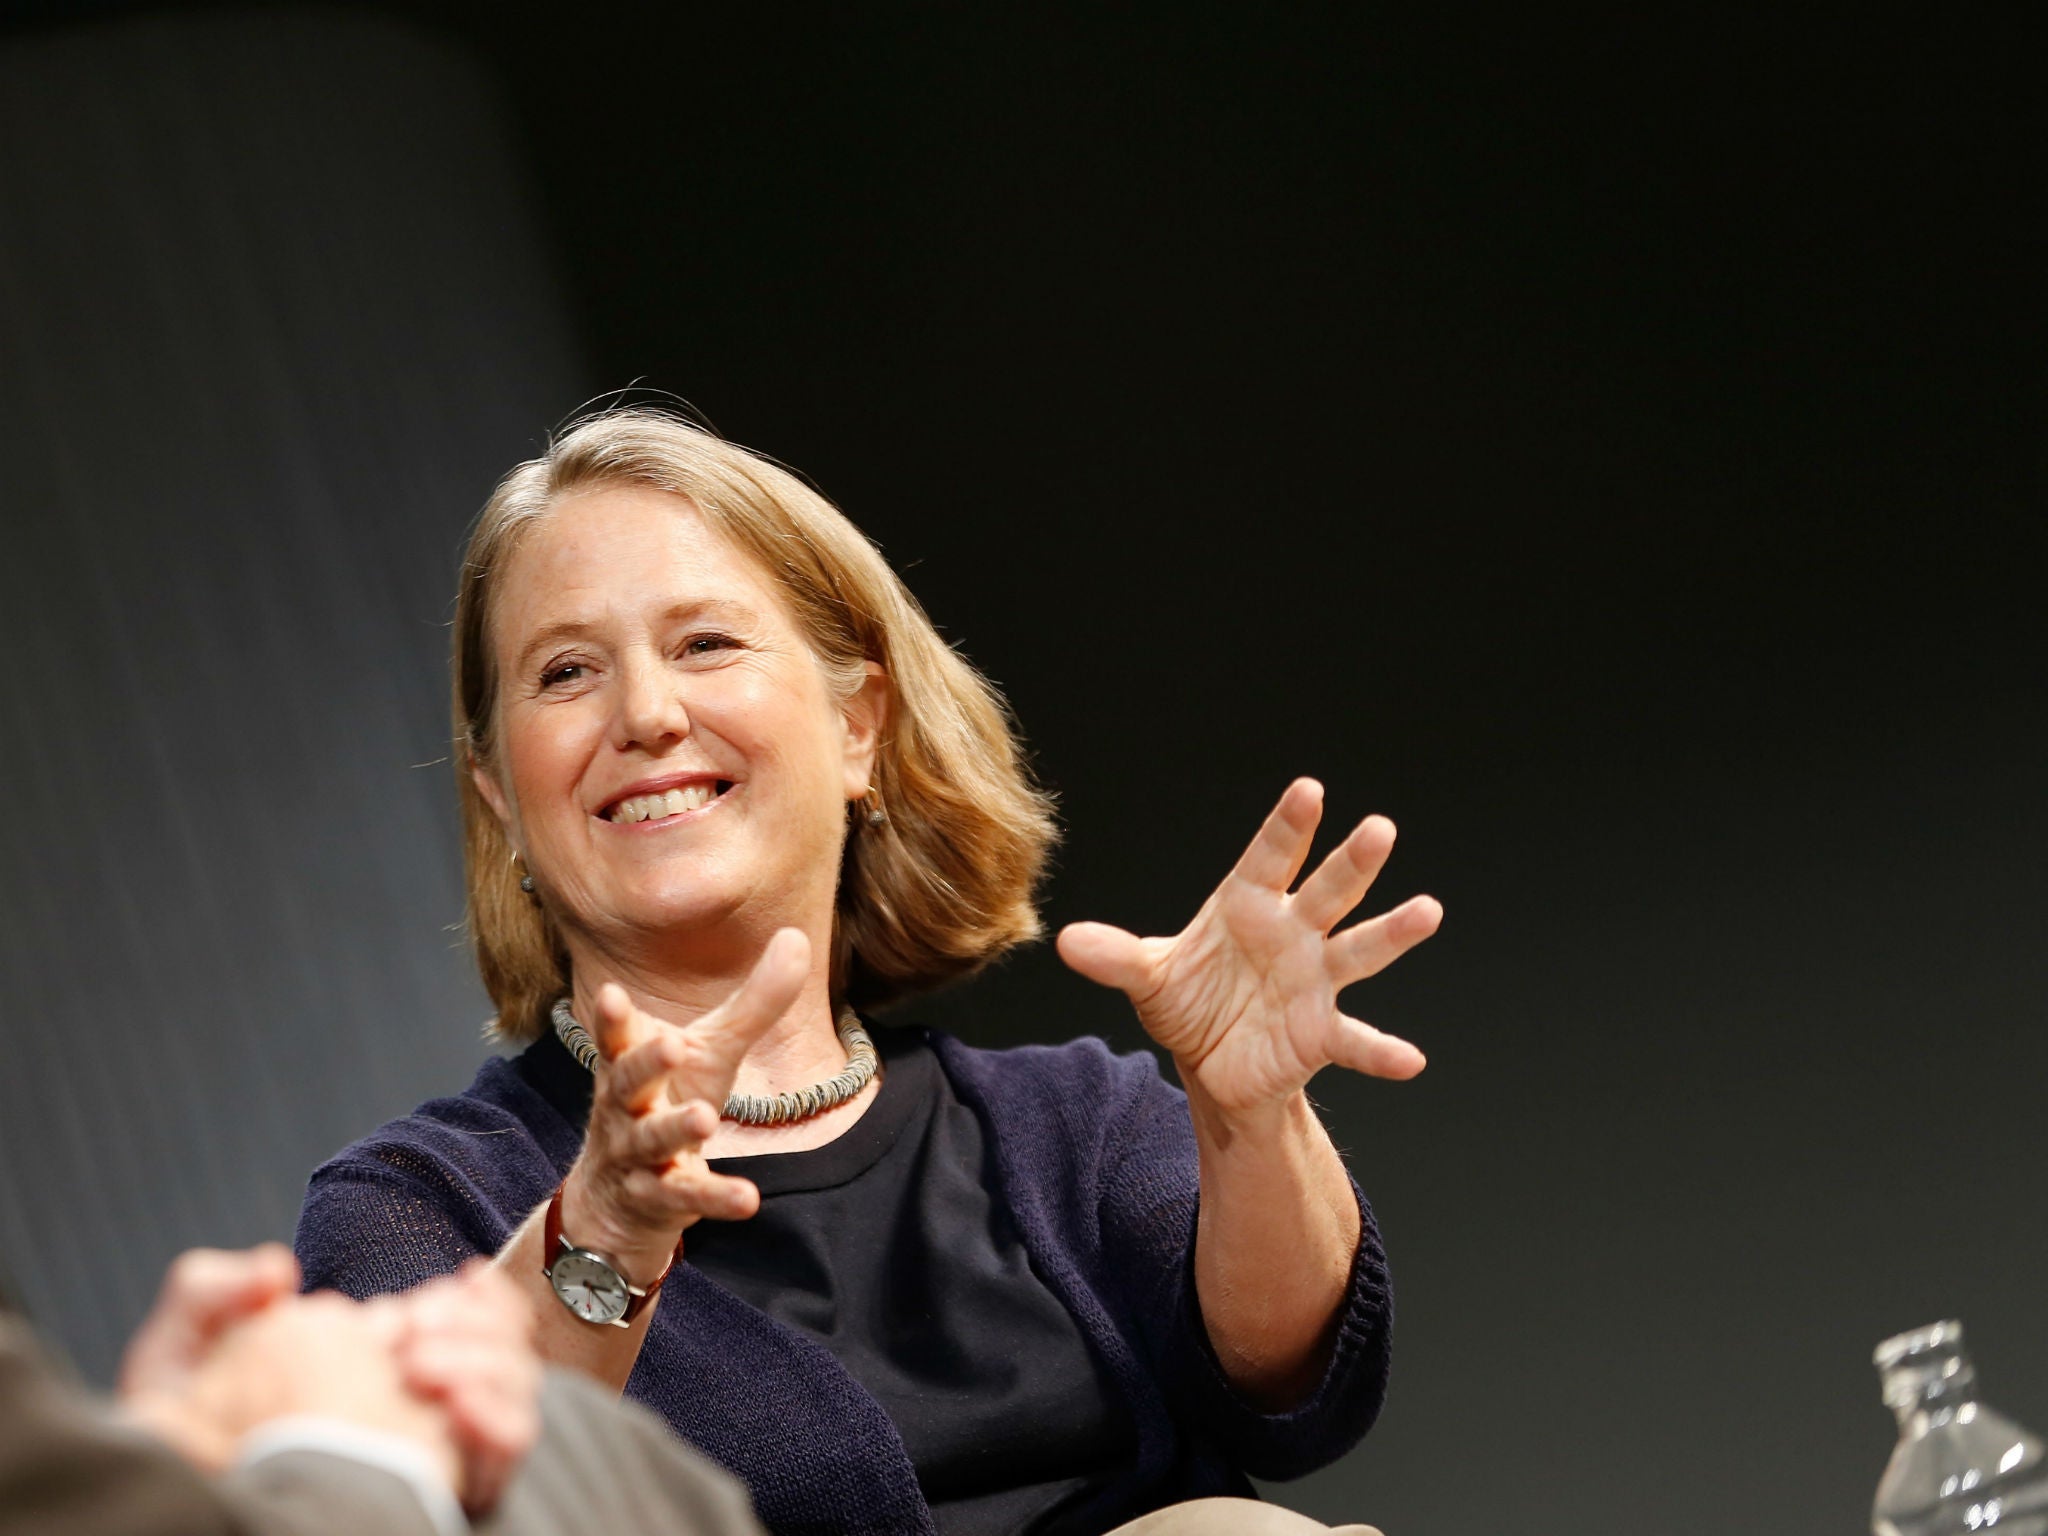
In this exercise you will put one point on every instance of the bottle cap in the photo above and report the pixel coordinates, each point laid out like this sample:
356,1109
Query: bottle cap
1917,1341
1924,1366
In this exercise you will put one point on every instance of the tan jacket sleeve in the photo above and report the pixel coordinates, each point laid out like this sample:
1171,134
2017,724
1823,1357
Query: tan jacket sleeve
607,1465
68,1469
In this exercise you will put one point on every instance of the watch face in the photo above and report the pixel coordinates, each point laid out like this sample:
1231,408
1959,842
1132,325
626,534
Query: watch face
589,1287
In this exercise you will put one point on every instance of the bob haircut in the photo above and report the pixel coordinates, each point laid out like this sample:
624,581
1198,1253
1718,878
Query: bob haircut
938,890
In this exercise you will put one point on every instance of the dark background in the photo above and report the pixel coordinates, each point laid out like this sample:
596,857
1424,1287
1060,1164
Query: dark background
1608,441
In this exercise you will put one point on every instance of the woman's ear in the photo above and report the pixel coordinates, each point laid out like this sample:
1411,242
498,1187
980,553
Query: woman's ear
867,717
493,794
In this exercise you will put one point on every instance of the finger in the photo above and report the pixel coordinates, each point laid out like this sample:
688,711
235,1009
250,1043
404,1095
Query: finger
473,1374
384,1320
1276,854
618,1022
634,1080
722,1038
1109,956
496,1429
449,1365
721,1196
211,1287
487,1476
205,1291
491,1296
654,1139
1340,882
688,1190
484,1481
488,1391
1374,1052
1367,948
701,1117
489,1395
476,1302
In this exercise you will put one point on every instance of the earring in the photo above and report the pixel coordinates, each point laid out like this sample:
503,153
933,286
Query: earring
876,816
525,881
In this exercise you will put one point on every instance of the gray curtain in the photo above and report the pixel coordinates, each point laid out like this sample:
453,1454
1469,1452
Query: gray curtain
273,316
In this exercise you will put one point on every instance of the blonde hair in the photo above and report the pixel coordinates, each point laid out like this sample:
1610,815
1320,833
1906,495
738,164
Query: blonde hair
937,891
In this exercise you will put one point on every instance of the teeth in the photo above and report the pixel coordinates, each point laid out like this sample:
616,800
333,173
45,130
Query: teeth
673,802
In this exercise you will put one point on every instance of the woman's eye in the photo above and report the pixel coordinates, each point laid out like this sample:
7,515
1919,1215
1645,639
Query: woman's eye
566,672
703,645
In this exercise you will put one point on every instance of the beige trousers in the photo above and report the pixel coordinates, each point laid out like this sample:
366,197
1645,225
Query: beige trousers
1233,1517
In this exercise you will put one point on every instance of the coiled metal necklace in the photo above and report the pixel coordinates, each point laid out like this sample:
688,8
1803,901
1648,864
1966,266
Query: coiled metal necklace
754,1108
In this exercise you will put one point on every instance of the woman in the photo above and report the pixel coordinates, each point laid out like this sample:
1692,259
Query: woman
722,784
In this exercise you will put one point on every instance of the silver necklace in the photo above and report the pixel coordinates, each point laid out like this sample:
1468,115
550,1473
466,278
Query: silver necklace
753,1108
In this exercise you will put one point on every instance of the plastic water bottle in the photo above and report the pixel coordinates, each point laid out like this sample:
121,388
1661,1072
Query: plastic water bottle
1959,1467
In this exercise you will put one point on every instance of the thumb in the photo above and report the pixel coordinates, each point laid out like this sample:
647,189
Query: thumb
770,990
1107,955
618,1027
205,1292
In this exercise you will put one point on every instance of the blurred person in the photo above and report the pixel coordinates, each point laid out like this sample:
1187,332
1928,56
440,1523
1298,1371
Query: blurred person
243,1408
723,786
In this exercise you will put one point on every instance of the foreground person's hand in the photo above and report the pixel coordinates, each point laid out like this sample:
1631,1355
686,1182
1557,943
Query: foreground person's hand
641,1178
320,1356
205,1292
466,1343
1245,997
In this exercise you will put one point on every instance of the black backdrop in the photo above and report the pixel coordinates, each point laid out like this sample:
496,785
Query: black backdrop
1606,441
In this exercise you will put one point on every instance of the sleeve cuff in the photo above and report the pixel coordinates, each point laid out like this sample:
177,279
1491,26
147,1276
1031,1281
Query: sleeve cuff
400,1457
1283,1444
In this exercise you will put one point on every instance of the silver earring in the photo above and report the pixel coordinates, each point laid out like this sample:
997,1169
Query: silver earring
526,884
876,816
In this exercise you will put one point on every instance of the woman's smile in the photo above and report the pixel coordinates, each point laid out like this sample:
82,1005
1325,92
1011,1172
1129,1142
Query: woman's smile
664,803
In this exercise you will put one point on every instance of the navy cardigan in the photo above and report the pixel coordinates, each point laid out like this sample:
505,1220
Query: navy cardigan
1095,1158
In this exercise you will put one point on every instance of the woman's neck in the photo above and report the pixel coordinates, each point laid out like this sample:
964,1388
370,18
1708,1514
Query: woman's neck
798,1049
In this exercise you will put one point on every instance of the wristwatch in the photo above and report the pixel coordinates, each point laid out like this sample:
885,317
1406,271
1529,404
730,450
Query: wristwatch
588,1283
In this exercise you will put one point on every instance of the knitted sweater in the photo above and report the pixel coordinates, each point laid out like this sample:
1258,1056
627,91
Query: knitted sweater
1095,1158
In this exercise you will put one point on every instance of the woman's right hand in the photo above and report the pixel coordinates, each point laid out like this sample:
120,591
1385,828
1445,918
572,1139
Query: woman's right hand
642,1178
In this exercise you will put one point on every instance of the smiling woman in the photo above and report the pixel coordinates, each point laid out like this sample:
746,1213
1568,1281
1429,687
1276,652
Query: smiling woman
723,787
932,893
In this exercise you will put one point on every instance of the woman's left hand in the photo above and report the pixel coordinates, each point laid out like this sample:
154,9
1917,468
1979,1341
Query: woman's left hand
1245,997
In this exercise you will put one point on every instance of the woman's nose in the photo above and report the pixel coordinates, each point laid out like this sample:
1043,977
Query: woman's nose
651,710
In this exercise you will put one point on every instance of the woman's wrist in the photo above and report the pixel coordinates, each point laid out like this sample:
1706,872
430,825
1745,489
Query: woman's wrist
1260,1121
638,1251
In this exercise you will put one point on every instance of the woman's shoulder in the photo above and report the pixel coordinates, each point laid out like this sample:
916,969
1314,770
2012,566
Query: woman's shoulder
497,1120
1075,1125
422,1193
1084,1077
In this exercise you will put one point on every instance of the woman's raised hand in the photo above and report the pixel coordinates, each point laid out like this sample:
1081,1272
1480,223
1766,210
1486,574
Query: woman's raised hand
1245,996
642,1178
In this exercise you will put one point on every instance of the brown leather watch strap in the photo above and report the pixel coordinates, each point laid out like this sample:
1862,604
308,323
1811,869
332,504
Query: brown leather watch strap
552,1243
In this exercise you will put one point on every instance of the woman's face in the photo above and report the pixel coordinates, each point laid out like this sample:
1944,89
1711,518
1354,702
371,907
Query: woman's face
669,753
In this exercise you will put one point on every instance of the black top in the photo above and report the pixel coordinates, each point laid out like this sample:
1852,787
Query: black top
888,1246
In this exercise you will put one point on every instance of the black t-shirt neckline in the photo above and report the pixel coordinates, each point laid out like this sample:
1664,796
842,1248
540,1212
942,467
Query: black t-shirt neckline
907,1080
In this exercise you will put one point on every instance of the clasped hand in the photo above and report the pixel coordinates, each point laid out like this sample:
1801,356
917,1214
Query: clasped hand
1245,996
230,1347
